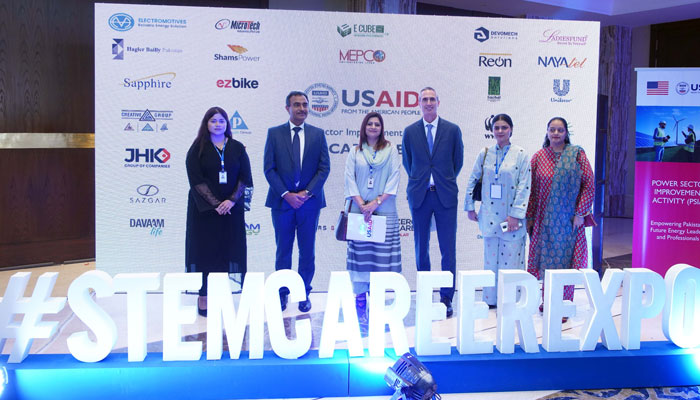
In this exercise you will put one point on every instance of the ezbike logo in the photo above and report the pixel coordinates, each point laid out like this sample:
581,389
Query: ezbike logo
561,89
555,36
501,60
158,81
156,225
147,158
238,26
324,100
233,83
147,195
121,22
146,120
558,62
361,56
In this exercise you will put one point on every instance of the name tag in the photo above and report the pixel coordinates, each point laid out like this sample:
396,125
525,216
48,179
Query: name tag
495,191
370,183
223,177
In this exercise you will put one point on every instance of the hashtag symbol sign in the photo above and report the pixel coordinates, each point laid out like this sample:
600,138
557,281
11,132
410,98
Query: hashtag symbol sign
33,308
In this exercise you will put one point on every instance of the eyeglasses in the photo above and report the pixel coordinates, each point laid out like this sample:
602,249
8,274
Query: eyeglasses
554,129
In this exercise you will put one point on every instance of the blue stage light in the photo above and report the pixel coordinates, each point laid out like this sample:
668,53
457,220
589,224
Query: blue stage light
411,380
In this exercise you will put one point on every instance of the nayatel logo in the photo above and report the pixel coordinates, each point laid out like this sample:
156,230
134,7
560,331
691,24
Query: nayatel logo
154,225
238,125
118,49
238,26
482,34
158,81
361,56
147,194
121,22
494,89
237,56
252,229
147,158
233,83
555,36
146,120
558,62
561,89
323,99
501,60
361,30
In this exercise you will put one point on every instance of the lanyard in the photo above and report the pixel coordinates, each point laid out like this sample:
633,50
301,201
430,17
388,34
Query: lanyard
221,153
499,163
374,158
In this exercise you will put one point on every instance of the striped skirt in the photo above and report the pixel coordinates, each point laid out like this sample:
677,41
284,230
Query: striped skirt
377,257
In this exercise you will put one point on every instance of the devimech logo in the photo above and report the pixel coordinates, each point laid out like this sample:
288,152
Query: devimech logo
561,89
234,83
238,25
559,62
501,60
237,56
147,194
354,56
155,226
482,34
118,49
555,36
323,99
147,158
494,89
158,81
238,125
146,120
121,22
361,30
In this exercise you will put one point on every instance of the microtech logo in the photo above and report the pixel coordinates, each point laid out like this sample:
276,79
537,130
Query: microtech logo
238,25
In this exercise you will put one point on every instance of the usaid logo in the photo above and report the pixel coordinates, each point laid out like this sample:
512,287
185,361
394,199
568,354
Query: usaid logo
121,22
323,99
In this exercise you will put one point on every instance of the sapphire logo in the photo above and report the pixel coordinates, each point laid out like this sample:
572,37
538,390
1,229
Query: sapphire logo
238,125
158,81
121,22
118,49
494,89
147,158
481,34
559,62
146,120
323,98
238,26
147,194
561,89
501,60
361,56
155,226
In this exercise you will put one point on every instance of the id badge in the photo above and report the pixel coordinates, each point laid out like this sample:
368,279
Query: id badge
223,177
495,191
370,183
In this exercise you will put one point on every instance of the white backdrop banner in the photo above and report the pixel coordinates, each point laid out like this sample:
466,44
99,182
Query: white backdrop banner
159,68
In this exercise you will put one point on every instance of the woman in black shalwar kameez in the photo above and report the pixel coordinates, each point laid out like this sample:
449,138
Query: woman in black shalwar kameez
218,170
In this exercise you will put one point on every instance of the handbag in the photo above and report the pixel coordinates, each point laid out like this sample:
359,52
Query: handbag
341,227
476,193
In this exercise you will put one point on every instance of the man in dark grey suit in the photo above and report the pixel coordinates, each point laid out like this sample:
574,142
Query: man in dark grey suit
296,166
433,155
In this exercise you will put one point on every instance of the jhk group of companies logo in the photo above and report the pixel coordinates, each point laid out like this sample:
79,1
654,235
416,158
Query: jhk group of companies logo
151,82
356,56
147,194
361,30
240,26
146,158
324,100
146,120
482,34
119,48
123,22
557,37
236,53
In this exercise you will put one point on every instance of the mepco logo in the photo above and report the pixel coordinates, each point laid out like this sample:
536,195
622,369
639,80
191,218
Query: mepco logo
354,56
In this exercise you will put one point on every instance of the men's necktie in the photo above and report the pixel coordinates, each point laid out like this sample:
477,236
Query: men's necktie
296,155
430,138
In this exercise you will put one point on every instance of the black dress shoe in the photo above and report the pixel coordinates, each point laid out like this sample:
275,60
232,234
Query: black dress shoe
283,301
305,306
201,311
448,304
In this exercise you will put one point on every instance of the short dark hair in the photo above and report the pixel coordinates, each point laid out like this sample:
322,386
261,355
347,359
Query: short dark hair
502,117
566,128
295,93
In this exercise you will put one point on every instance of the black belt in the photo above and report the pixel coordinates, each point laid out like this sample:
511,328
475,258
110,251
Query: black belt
432,188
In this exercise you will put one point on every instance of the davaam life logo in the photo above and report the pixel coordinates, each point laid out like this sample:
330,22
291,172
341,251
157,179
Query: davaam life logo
146,120
323,99
238,125
155,226
147,158
147,194
561,89
121,22
482,34
157,81
238,25
361,30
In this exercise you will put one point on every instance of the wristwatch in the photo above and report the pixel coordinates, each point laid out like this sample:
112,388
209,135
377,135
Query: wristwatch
308,193
379,201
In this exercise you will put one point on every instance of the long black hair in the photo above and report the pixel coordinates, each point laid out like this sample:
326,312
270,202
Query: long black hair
505,118
203,134
566,128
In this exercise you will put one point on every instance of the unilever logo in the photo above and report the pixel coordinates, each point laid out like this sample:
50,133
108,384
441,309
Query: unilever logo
121,22
560,90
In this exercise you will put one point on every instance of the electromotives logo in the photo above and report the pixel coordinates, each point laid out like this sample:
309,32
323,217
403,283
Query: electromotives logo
500,60
147,158
162,23
561,62
238,25
494,89
146,120
154,226
121,22
561,89
147,194
355,56
118,49
238,54
361,30
158,81
482,34
238,125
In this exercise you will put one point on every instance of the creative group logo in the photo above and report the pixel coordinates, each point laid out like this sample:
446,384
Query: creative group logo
240,26
237,83
238,125
355,56
154,226
119,48
252,229
561,89
361,30
146,120
561,62
146,158
324,100
147,194
494,89
482,34
121,22
238,55
500,60
151,82
555,36
684,88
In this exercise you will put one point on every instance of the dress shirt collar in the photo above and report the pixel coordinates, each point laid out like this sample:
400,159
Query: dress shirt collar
434,124
291,127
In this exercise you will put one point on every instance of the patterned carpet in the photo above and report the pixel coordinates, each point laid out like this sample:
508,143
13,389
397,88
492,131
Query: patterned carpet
672,393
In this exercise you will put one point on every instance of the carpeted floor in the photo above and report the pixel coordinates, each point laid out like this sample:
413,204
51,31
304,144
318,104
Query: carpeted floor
668,393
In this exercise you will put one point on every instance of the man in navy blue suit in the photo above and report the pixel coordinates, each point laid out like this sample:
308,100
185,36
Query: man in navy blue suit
296,166
433,155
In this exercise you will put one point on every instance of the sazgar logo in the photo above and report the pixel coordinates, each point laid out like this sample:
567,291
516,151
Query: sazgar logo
561,89
361,56
147,194
118,49
238,125
121,22
147,158
146,120
158,81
